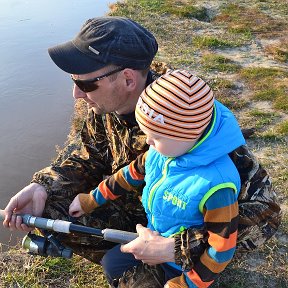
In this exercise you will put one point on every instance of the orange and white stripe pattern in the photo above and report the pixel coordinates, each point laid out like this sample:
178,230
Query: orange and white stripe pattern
178,105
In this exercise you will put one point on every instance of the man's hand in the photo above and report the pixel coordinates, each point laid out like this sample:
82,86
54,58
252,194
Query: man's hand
75,209
30,200
150,247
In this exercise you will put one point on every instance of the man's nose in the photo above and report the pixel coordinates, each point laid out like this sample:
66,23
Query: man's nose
77,93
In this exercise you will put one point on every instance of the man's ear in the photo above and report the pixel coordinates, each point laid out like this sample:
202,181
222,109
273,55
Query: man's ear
130,77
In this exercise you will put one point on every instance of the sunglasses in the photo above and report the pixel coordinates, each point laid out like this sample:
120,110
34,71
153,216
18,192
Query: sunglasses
90,85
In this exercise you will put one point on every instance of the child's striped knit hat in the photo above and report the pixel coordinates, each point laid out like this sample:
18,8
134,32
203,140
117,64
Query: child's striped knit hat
178,105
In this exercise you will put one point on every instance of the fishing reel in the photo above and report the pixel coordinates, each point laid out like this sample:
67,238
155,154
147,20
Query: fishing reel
46,245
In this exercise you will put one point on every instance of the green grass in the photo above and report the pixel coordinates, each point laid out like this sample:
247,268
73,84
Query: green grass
21,270
282,128
218,84
233,102
212,42
219,63
261,73
180,9
261,119
270,135
268,84
242,19
268,94
245,32
281,102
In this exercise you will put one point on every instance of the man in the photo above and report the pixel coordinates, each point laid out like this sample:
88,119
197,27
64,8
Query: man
116,54
109,63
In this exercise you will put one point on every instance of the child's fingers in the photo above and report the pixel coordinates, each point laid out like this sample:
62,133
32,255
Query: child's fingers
73,209
75,213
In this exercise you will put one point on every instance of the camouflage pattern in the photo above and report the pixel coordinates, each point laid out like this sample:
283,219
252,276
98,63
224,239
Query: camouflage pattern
143,276
189,246
259,210
84,169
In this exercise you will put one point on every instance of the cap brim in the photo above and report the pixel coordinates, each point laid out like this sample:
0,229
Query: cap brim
71,60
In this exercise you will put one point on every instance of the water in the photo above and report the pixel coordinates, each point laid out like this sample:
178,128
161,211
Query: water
36,103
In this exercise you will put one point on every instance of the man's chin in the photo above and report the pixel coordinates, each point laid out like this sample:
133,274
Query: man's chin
96,110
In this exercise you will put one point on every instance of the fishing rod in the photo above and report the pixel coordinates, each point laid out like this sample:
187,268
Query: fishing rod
62,226
35,245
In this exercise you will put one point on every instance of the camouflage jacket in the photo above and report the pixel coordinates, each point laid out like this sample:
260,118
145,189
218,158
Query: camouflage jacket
108,142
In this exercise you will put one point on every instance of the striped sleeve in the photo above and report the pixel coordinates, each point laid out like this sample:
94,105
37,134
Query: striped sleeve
126,179
221,220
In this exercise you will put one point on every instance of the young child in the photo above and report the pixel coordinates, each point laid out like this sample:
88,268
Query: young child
190,181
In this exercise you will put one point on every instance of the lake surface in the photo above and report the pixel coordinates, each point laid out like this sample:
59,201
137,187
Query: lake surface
36,100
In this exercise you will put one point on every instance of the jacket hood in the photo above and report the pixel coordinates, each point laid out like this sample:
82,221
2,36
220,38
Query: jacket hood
223,135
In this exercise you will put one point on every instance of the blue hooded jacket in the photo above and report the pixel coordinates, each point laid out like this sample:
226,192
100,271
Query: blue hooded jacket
177,188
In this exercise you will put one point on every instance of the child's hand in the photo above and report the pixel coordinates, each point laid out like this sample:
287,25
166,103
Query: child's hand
75,209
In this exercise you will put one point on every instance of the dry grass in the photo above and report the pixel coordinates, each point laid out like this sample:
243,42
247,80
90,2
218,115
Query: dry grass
239,18
278,49
23,270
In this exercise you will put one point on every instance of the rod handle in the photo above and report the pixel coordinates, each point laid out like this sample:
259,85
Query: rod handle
25,217
118,236
42,223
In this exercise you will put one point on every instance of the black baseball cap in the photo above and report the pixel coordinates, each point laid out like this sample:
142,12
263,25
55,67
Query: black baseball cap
103,41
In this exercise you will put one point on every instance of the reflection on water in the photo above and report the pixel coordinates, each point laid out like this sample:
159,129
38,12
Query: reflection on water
35,96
